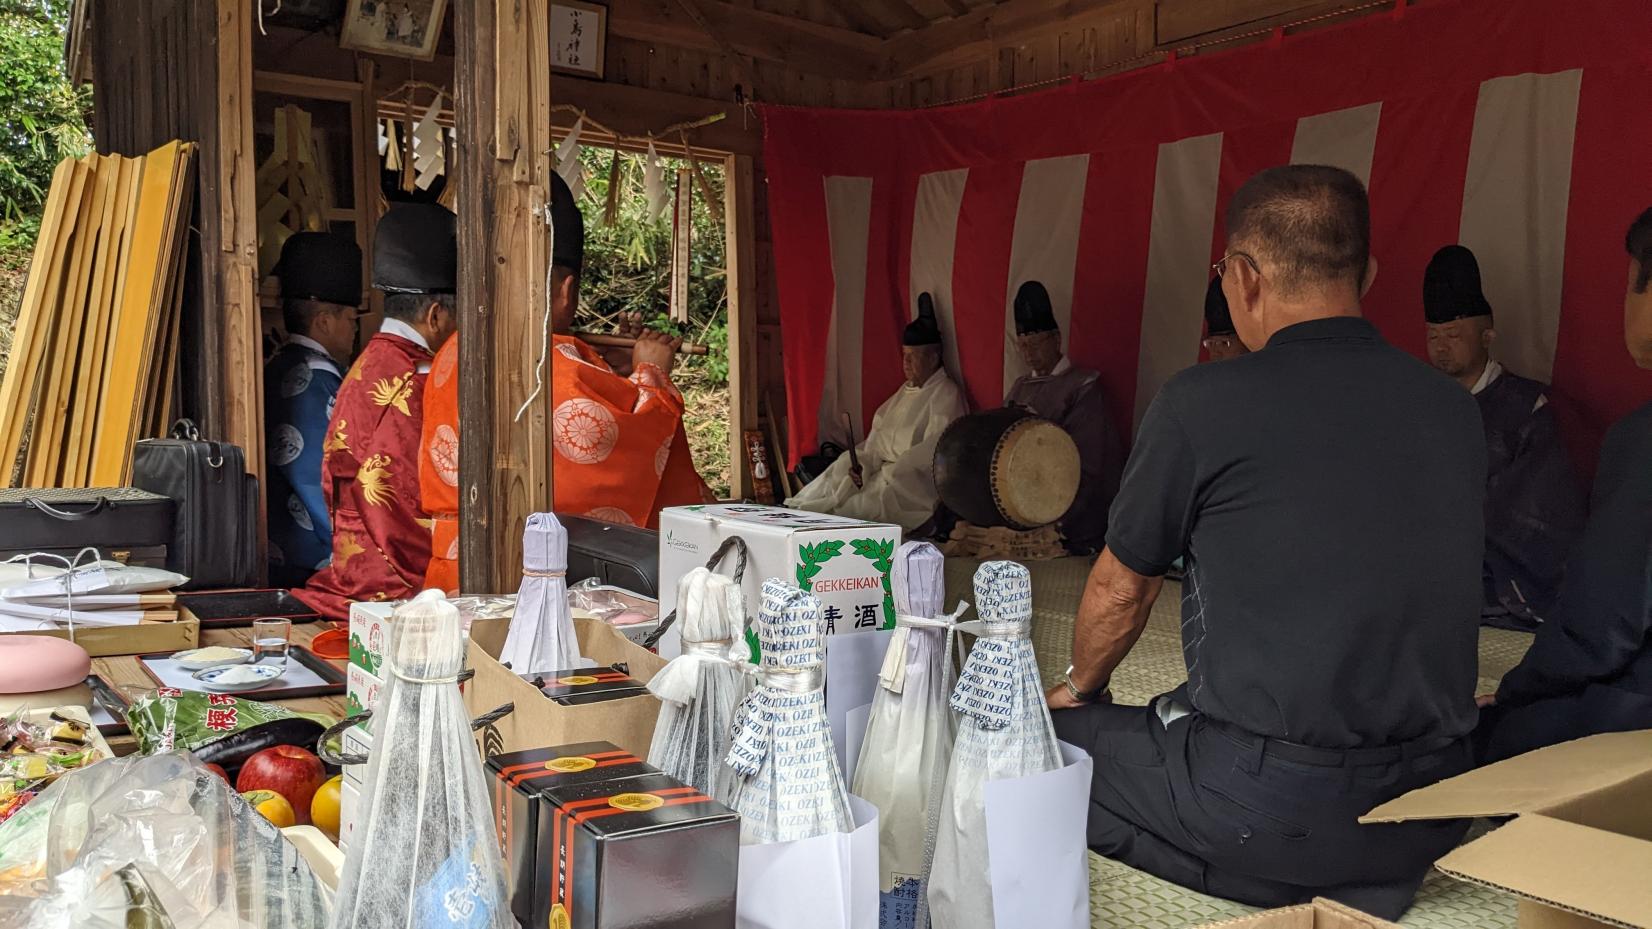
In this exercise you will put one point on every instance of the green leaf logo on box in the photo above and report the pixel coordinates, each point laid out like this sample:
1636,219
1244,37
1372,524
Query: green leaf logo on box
881,552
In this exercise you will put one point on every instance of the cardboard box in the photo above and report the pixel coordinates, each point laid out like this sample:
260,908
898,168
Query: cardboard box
1579,852
844,562
518,780
612,842
356,741
537,720
579,686
349,813
361,692
369,636
1320,914
139,639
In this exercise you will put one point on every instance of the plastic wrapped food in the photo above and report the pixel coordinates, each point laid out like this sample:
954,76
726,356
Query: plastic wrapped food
790,785
700,689
1004,731
903,760
424,854
151,841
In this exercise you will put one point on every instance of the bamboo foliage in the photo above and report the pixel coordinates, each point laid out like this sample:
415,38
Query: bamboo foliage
95,350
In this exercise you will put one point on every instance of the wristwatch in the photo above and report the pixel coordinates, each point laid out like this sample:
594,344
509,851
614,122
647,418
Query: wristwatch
1082,696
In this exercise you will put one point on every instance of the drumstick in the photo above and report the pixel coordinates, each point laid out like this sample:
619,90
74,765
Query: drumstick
625,341
849,424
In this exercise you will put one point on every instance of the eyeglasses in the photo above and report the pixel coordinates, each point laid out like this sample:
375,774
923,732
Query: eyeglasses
1220,267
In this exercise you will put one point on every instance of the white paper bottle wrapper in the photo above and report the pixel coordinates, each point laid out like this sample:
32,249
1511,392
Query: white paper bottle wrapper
790,784
425,854
1004,731
541,636
701,689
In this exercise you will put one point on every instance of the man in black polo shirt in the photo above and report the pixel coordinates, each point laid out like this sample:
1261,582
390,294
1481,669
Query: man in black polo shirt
1326,492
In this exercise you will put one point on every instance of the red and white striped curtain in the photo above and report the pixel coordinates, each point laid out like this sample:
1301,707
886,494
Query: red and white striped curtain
1520,128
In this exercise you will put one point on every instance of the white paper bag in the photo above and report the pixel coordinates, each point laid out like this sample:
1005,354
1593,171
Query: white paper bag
1040,863
827,882
1004,731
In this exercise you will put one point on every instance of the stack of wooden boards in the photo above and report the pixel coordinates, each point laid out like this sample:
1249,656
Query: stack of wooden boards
94,354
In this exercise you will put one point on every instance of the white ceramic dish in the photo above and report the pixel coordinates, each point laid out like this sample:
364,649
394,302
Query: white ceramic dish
266,674
189,664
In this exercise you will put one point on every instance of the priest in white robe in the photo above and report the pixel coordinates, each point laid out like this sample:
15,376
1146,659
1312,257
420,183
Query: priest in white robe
895,482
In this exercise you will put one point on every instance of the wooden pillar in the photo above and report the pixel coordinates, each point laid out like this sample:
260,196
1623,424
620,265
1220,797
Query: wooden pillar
502,69
740,251
236,214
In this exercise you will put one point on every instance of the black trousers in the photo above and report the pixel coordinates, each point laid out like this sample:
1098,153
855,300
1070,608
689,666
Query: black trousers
1233,815
1506,731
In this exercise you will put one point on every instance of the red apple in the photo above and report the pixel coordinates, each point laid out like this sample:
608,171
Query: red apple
288,770
218,769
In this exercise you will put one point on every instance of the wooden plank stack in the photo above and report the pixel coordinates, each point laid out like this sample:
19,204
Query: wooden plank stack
95,351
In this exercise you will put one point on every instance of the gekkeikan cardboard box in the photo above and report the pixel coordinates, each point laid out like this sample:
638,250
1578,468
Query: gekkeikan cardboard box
361,692
1579,852
844,562
369,636
1320,914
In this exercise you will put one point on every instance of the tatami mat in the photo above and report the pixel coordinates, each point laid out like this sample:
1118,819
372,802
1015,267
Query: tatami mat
1124,898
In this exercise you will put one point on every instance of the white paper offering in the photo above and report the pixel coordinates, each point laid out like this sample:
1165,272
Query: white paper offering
424,853
541,637
1004,731
700,689
827,882
20,581
909,733
790,784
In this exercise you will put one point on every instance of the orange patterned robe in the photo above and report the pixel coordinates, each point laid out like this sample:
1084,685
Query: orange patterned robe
381,535
620,452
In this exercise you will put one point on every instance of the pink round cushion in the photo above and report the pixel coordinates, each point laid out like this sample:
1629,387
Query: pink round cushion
33,663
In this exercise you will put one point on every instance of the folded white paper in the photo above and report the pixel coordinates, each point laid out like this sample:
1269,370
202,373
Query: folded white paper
852,663
1035,828
826,882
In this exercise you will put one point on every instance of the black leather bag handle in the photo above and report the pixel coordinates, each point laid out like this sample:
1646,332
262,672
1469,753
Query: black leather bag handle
70,516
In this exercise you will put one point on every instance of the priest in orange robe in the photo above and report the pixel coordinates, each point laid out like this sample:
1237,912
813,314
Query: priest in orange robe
619,450
369,468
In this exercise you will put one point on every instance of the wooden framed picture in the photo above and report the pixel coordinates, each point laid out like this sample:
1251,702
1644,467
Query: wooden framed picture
405,28
579,33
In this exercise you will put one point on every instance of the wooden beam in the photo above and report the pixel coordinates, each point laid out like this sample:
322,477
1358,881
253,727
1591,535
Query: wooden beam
474,70
977,34
799,44
1182,19
740,252
236,215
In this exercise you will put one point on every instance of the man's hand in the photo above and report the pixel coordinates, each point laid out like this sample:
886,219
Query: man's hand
856,476
1060,698
630,325
655,348
1485,701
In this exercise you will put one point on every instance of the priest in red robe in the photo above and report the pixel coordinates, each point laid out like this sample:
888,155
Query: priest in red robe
370,468
620,451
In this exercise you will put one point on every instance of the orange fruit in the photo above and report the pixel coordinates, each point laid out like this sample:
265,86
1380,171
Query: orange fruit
324,806
272,806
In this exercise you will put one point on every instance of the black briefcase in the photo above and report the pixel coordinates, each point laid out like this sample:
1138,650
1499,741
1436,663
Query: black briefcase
125,523
621,556
214,538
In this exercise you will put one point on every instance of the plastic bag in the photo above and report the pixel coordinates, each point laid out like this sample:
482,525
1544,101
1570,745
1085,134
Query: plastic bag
151,841
700,689
541,637
423,854
1004,732
903,761
790,784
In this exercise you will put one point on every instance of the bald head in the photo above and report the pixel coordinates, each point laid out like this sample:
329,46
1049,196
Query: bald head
1298,248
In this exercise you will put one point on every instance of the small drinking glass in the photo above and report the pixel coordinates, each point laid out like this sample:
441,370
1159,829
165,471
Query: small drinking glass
271,637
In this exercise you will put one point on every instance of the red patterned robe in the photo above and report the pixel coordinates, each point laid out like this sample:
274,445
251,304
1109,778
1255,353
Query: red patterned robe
370,476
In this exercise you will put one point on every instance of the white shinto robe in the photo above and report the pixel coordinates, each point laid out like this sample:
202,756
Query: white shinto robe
897,459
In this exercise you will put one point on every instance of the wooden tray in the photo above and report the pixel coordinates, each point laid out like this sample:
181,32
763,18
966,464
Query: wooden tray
222,609
281,689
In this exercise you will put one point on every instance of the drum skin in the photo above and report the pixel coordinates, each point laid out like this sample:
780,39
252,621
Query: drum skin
1006,467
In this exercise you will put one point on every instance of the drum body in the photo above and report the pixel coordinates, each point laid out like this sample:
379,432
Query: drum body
1007,467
